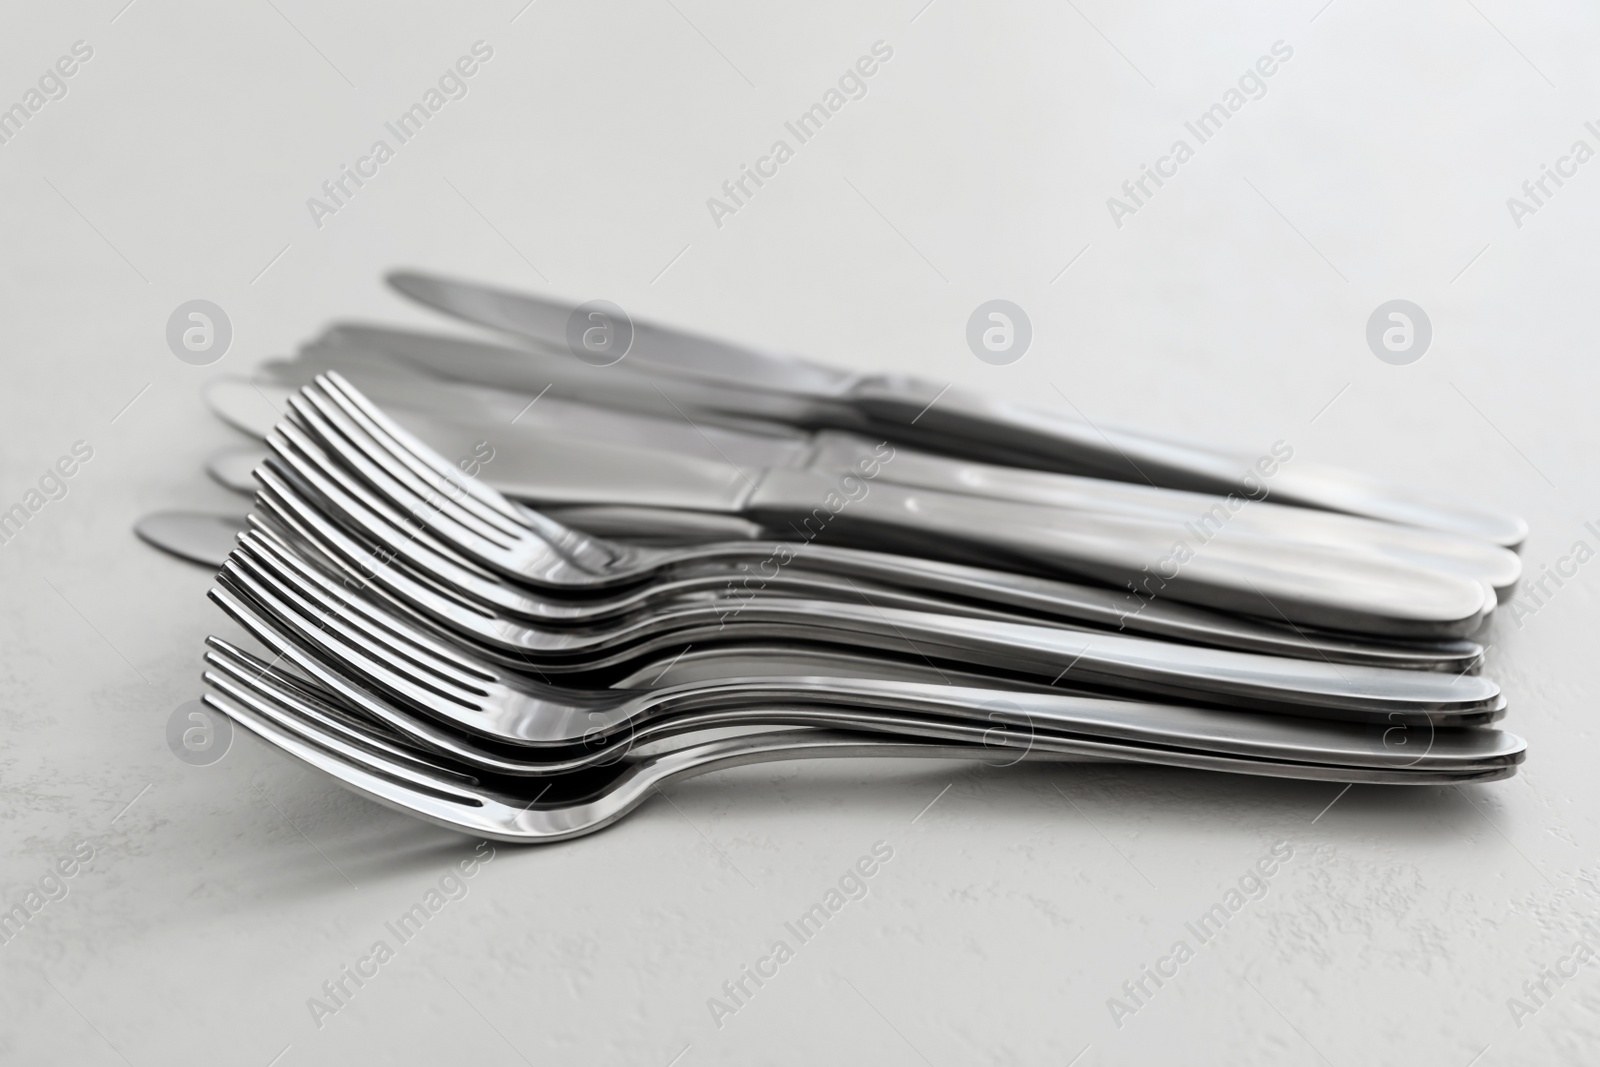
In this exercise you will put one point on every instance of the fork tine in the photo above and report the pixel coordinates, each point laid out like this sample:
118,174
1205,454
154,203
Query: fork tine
256,666
438,583
357,507
426,600
415,592
311,465
381,522
330,639
295,460
255,676
586,551
487,647
324,601
330,631
371,619
292,540
233,669
432,512
402,788
398,441
419,730
352,446
420,477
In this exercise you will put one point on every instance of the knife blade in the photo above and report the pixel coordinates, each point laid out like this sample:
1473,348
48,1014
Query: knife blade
966,422
527,421
1331,587
546,322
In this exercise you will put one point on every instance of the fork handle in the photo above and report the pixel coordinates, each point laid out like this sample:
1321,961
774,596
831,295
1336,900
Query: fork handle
724,754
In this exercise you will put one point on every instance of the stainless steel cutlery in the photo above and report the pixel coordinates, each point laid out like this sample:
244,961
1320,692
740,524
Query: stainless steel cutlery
567,452
1300,582
427,785
209,538
512,593
297,612
962,422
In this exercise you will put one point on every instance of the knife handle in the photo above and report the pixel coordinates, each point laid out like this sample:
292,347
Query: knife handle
853,508
834,451
1308,585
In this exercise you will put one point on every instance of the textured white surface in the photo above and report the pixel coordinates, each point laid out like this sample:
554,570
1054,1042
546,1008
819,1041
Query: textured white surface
1231,306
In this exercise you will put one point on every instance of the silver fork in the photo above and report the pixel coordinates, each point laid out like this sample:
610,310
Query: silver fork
324,612
620,722
420,784
453,590
236,672
394,487
461,591
1016,647
558,450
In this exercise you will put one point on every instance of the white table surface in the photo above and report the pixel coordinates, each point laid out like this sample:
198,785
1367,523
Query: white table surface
1232,306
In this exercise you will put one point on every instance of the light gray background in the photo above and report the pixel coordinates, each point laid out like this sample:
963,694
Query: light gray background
1233,307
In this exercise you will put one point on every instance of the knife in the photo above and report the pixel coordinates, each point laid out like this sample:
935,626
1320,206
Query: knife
518,423
1340,587
964,422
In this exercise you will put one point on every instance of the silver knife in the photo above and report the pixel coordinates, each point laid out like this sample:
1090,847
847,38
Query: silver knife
518,424
1339,587
967,422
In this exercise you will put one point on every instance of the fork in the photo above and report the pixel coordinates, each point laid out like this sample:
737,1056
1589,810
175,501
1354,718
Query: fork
231,670
392,486
423,785
1020,646
352,643
433,578
631,720
963,421
562,437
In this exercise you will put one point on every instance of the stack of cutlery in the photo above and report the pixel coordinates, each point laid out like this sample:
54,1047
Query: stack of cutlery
512,591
